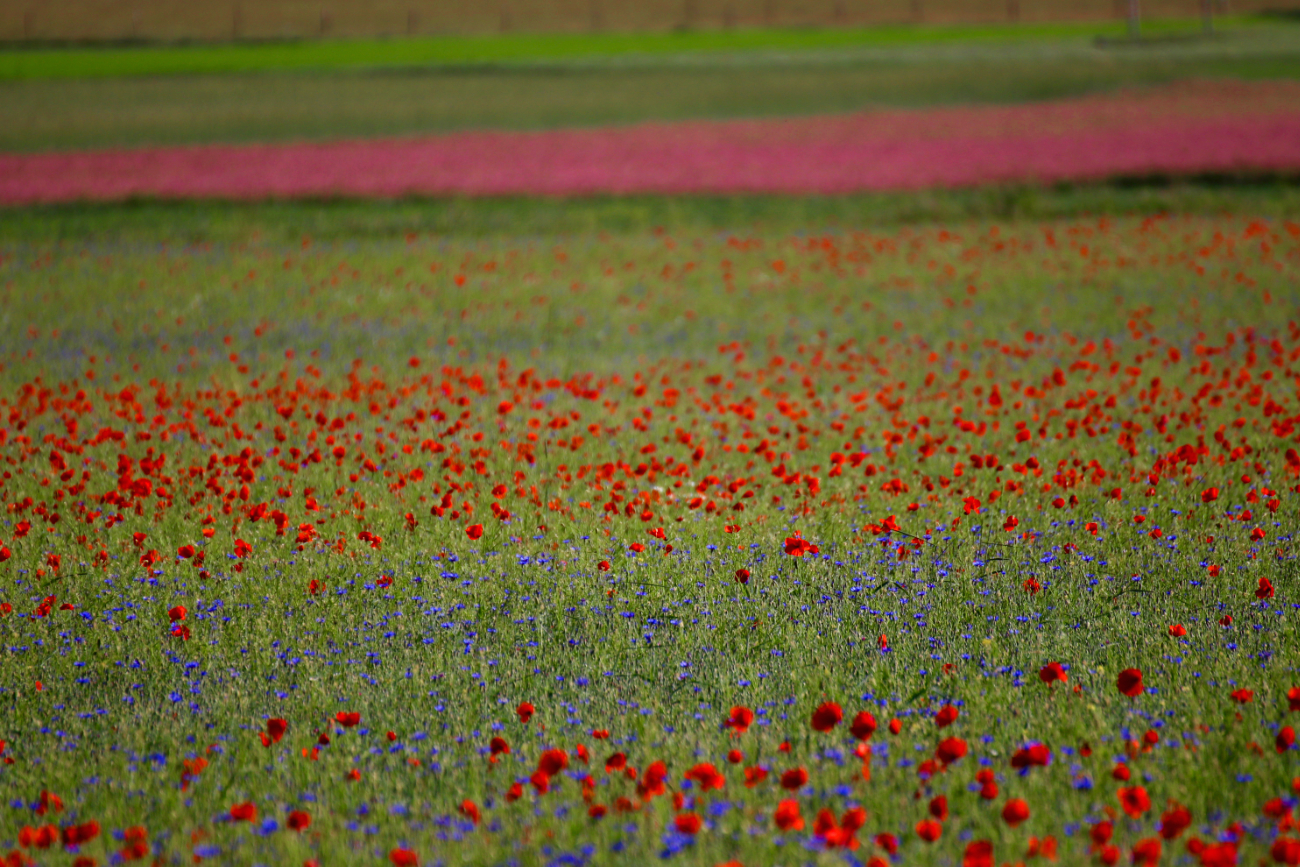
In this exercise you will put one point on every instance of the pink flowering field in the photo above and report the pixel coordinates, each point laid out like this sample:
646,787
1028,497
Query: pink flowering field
1190,128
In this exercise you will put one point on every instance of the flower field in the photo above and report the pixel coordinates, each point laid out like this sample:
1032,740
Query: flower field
946,544
1226,128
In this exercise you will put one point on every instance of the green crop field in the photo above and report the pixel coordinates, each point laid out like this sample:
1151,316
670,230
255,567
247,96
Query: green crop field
705,530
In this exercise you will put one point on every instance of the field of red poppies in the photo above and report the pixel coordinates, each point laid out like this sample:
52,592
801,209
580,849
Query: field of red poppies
963,543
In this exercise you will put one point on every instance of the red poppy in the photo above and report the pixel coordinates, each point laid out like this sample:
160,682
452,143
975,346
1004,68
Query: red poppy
1015,811
1052,672
1146,853
1033,755
988,785
827,717
735,757
1209,495
498,747
787,816
76,835
740,720
939,807
246,812
895,726
1129,682
1285,739
474,531
525,711
796,547
299,820
1265,589
929,830
1120,772
469,810
1134,800
403,858
708,776
603,566
794,779
600,734
754,775
177,613
616,762
552,762
978,853
275,729
597,811
742,575
864,725
687,823
950,750
1174,821
1293,698
1243,696
1177,630
347,719
1285,850
946,716
888,842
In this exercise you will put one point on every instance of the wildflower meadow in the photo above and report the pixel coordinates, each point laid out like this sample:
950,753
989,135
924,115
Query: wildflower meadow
964,542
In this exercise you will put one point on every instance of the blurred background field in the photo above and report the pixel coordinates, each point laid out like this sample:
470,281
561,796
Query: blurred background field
97,97
100,20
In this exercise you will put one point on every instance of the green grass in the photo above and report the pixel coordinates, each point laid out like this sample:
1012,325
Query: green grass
239,340
532,49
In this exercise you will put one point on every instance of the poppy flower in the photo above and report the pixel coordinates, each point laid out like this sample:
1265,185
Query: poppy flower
735,757
754,775
938,807
403,858
1285,850
1209,495
177,613
787,816
895,726
600,734
1033,755
1174,821
1285,739
946,716
525,711
498,747
1225,620
708,776
929,830
1177,630
299,820
1120,772
1015,811
888,842
246,812
347,719
474,531
687,823
1146,853
988,784
514,793
864,725
1129,682
1265,589
1243,696
796,547
827,717
978,853
469,810
597,811
740,720
1134,800
1052,672
950,750
1293,698
742,575
76,835
794,779
616,762
552,762
275,729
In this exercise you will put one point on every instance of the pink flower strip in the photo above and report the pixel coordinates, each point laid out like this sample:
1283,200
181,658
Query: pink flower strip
1079,140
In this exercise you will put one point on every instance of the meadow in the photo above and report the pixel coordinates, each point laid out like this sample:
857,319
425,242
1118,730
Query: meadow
947,528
